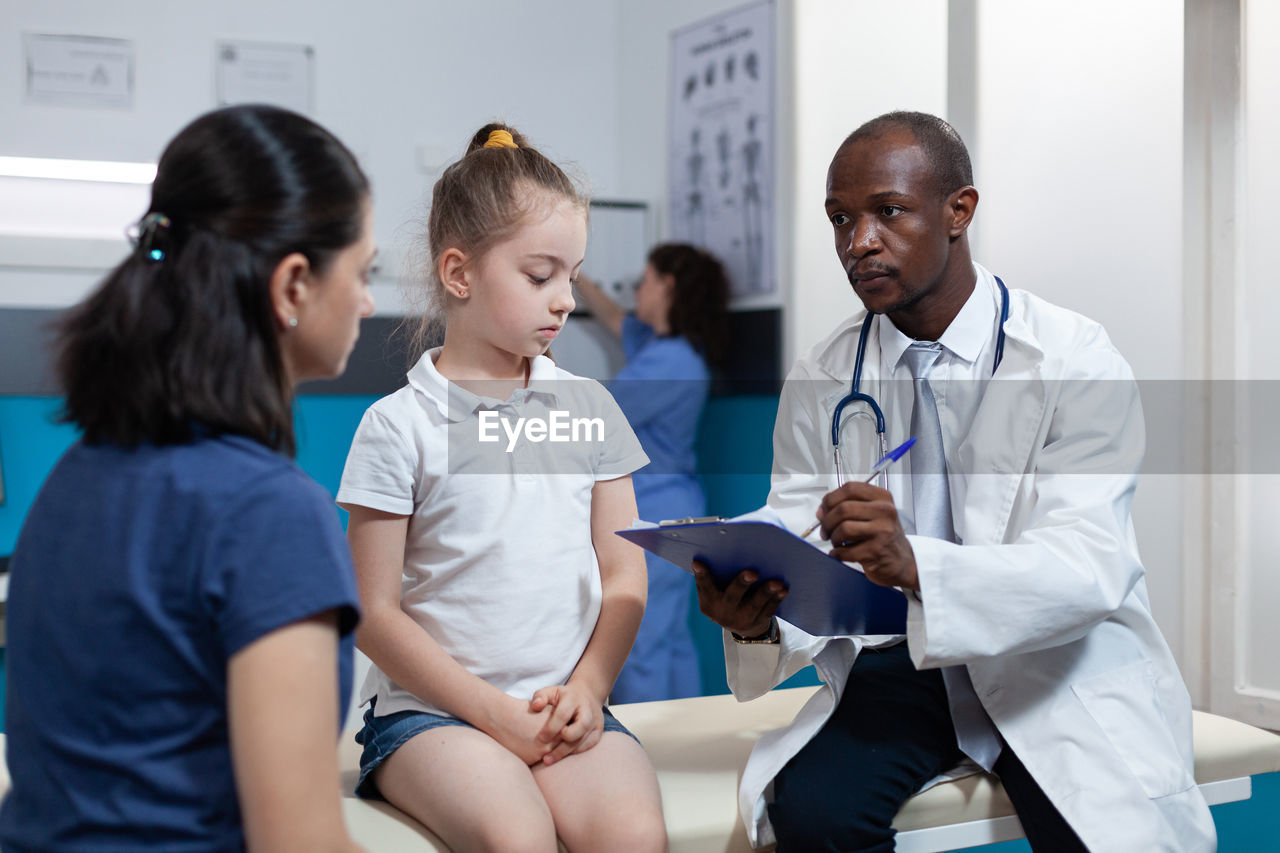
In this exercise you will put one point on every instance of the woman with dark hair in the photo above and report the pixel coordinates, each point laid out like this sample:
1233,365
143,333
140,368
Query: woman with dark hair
182,598
679,326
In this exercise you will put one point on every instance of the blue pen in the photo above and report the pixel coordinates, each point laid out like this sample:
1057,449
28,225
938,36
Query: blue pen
885,461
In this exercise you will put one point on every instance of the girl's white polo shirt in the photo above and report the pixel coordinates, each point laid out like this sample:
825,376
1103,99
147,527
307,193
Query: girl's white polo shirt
499,565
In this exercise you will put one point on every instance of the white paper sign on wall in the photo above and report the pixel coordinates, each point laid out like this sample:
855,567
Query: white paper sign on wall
84,71
252,72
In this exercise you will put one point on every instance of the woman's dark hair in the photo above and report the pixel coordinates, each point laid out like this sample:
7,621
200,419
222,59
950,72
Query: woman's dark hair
700,302
182,332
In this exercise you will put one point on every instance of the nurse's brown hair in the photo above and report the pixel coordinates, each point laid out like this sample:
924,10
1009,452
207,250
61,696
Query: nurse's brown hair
699,303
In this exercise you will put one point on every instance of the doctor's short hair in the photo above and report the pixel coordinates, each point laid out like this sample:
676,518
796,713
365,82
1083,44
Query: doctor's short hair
942,145
181,336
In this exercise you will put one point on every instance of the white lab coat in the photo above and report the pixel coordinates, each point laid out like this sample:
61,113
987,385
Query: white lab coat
1045,600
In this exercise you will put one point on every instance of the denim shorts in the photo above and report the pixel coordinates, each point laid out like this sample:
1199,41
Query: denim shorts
382,736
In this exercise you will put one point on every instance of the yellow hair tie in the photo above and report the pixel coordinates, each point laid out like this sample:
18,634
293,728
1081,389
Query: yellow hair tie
500,139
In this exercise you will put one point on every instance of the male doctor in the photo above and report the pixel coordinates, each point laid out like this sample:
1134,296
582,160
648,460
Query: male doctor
1030,648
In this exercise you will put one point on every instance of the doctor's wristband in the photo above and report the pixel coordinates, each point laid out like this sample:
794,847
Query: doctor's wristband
770,636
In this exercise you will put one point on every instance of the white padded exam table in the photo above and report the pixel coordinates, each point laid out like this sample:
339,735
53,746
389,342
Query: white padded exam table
699,747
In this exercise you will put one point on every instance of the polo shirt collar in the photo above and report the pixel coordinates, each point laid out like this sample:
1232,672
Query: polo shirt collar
456,403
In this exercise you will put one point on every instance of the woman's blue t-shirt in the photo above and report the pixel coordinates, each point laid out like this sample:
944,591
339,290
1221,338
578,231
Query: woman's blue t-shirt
137,575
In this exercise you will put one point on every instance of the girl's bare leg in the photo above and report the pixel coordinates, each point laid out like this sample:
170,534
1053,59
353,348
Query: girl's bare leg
470,790
605,799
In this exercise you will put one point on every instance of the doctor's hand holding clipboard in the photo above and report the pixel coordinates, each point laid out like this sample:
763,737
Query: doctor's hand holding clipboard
860,517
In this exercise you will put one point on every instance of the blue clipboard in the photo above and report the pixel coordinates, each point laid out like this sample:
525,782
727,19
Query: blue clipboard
825,598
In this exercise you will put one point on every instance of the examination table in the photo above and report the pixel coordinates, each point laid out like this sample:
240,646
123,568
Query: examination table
699,747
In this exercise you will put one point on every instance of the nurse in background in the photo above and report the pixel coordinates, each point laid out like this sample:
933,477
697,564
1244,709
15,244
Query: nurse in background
679,326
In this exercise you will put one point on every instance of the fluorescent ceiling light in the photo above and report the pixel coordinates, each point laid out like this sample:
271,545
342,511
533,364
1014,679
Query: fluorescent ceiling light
78,170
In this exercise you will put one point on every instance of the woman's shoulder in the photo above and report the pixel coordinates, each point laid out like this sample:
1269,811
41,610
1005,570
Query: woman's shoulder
237,456
233,465
199,481
208,462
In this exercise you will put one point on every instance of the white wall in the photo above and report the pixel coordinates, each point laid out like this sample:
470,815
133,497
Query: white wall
643,65
1079,164
395,76
840,62
854,60
644,38
390,76
1256,671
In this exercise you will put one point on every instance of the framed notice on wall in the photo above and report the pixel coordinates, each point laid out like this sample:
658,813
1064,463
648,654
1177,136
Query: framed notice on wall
80,71
279,74
617,247
720,149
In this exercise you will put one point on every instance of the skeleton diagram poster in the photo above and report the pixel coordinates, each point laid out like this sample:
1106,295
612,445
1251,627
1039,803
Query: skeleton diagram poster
721,145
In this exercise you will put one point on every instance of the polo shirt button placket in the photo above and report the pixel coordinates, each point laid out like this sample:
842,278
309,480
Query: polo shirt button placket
524,461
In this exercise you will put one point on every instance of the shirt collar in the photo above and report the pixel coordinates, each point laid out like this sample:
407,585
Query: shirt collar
455,402
543,370
967,334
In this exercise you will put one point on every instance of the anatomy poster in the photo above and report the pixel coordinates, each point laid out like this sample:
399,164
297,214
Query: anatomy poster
721,146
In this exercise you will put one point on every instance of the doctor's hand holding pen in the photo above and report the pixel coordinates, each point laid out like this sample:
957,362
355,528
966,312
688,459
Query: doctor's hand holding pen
862,524
858,516
863,519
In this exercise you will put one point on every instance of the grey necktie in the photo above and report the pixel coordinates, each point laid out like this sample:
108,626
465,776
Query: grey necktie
931,499
929,493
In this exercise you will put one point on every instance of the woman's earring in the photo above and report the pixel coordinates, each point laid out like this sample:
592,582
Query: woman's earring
293,322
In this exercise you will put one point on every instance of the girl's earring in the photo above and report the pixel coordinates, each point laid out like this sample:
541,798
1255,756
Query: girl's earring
293,322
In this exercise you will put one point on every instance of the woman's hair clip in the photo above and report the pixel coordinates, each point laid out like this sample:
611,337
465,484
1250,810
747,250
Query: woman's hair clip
500,139
142,235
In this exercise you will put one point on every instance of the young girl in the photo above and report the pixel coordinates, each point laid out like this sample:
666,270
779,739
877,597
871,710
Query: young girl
679,325
499,604
182,600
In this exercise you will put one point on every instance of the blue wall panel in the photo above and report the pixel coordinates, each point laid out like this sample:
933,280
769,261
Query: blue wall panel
30,443
735,454
324,425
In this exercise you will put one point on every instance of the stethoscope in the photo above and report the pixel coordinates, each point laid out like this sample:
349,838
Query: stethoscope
855,396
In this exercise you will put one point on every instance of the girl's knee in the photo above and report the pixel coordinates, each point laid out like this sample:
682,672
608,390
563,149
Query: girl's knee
639,831
534,833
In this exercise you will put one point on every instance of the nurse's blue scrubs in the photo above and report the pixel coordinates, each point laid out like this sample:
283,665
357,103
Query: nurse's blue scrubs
662,390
